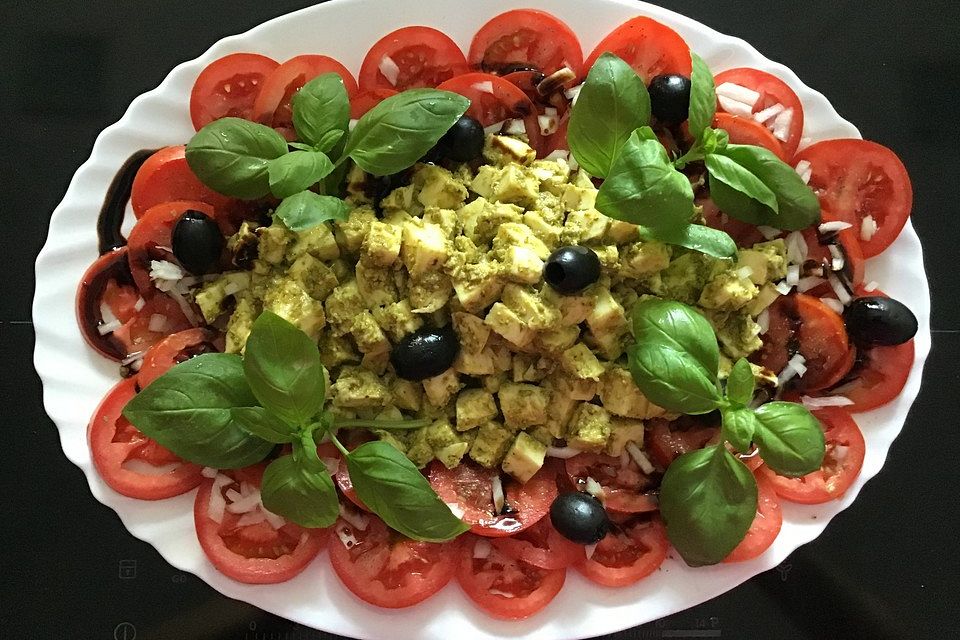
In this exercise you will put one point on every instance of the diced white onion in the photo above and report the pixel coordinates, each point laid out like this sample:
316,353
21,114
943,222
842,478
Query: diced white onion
842,294
185,307
593,488
836,257
246,503
735,107
275,521
868,228
455,509
346,536
805,170
558,154
640,458
355,518
798,362
792,369
352,124
840,453
782,288
251,517
332,464
826,401
793,274
768,114
768,232
810,282
797,250
549,111
482,549
209,472
217,504
498,497
833,225
590,549
781,125
144,468
763,321
515,127
498,592
739,93
109,327
133,357
548,124
231,288
106,313
871,286
158,323
165,270
484,87
574,165
390,70
833,303
562,452
573,93
496,127
745,272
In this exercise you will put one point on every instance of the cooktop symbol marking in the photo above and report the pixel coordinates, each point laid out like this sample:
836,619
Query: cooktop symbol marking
128,569
125,631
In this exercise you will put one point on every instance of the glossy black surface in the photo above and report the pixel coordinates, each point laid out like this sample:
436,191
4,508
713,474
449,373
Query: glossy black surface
579,517
670,98
425,353
571,269
886,568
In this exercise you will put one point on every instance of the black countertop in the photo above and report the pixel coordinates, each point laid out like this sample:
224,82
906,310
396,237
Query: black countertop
887,567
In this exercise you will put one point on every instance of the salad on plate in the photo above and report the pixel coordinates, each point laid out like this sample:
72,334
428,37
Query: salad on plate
490,318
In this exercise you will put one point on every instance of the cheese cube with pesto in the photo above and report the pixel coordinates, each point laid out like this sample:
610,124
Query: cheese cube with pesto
524,457
523,405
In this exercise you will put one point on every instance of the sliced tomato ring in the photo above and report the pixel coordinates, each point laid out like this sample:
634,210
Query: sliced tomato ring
803,324
541,546
841,463
773,91
625,487
525,37
743,233
246,547
765,527
503,587
857,179
493,99
558,139
386,569
747,131
229,86
172,350
128,461
107,281
272,106
819,254
413,57
470,487
650,47
165,177
629,553
665,441
159,317
368,99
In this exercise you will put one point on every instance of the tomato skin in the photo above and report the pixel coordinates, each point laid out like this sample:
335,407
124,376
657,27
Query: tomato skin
856,178
747,131
166,177
648,46
389,570
368,99
835,477
114,441
533,587
879,376
172,350
627,556
528,37
136,335
665,444
766,525
109,271
623,487
541,546
772,91
228,86
818,250
224,542
425,58
743,233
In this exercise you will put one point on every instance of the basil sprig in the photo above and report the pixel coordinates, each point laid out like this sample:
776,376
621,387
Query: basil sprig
224,411
703,97
708,498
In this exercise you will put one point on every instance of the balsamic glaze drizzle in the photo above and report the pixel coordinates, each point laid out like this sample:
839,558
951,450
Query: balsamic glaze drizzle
115,201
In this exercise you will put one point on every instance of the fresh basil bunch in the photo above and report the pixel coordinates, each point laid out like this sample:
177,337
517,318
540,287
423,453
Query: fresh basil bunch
708,499
248,160
224,411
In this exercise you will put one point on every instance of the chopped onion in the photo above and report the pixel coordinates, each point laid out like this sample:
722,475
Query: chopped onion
496,127
640,458
355,518
793,368
558,154
768,114
797,250
782,288
245,503
390,70
763,321
798,362
549,111
498,592
109,327
144,468
768,232
805,170
868,228
871,286
498,497
133,357
482,549
833,304
781,125
352,124
455,509
275,521
739,93
185,307
562,452
810,282
836,257
346,536
735,107
745,272
590,549
231,288
793,274
573,93
158,323
826,401
106,313
593,488
209,472
251,517
833,225
842,294
574,165
515,127
217,503
484,87
548,124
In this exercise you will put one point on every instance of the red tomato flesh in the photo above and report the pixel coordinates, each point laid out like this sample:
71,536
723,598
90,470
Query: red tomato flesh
772,91
424,57
746,131
650,47
228,87
173,350
541,546
527,38
627,554
166,177
367,99
624,485
766,525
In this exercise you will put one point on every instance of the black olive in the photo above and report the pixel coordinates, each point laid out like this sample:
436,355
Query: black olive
579,517
571,269
670,98
879,321
463,142
425,353
197,242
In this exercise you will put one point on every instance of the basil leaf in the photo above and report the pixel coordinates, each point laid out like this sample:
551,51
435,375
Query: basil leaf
698,237
263,424
329,140
677,326
301,146
643,187
673,379
798,206
306,210
283,369
738,205
305,453
320,107
232,156
737,177
703,97
646,133
393,488
302,496
401,129
188,411
739,425
789,437
613,102
740,382
297,171
708,500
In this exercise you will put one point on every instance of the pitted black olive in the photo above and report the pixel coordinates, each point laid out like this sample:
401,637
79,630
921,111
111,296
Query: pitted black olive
571,269
879,321
463,142
425,353
670,98
579,517
197,242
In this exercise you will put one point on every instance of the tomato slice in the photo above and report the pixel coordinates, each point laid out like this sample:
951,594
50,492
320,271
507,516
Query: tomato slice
818,251
272,106
503,587
470,486
746,131
803,324
856,179
173,350
368,99
228,87
106,281
743,233
650,47
128,461
137,336
625,487
493,99
166,177
841,464
541,546
245,547
665,441
878,376
629,553
423,57
387,569
528,38
773,91
766,524
558,139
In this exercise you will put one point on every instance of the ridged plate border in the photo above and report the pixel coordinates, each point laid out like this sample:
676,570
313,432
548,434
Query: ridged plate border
74,378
